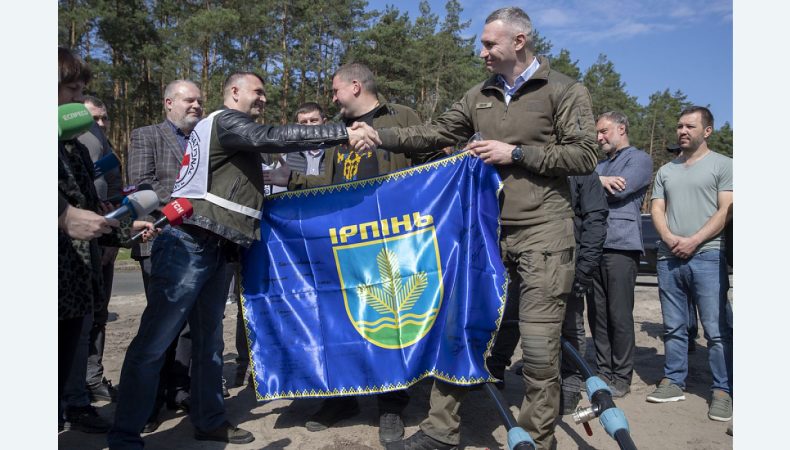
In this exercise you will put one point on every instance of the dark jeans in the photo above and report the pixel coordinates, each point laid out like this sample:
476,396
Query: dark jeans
174,378
187,283
611,314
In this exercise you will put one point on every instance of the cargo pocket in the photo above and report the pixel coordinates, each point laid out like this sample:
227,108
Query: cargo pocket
560,270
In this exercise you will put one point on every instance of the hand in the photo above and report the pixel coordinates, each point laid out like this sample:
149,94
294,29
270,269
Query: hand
613,184
278,176
83,224
492,152
684,247
149,232
362,137
105,208
581,285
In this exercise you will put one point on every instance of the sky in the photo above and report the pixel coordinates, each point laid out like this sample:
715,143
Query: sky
654,44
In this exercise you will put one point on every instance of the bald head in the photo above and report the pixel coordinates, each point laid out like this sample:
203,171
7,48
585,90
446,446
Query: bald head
183,104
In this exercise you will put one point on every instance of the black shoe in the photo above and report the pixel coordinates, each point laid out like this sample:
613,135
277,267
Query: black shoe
85,419
569,401
225,433
619,388
420,441
225,392
180,402
153,420
390,428
332,410
104,391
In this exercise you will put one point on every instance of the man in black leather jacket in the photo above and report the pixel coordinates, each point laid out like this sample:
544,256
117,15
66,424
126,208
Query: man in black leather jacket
222,177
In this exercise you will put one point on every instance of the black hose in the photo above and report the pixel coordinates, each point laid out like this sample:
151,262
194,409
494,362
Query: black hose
501,406
517,437
624,440
581,364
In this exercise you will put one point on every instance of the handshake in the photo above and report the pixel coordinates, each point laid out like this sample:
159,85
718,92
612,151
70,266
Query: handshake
362,137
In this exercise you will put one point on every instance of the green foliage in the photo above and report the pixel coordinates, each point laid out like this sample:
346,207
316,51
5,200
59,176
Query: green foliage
721,140
136,47
563,63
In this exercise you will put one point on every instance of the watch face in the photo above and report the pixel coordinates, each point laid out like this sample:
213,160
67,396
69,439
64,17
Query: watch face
517,154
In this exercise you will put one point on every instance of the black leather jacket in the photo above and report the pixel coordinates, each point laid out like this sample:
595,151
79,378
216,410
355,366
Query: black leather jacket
235,171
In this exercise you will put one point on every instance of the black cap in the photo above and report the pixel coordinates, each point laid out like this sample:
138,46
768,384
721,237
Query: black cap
673,148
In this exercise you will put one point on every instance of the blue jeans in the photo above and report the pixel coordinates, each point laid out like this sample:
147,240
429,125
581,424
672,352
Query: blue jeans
187,283
702,279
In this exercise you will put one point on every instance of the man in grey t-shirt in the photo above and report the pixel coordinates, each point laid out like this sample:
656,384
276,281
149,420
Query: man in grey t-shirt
692,203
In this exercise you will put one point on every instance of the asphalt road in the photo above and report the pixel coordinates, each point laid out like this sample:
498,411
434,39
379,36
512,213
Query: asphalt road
127,282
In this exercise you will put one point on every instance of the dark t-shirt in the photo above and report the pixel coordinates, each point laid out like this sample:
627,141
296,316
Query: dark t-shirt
351,165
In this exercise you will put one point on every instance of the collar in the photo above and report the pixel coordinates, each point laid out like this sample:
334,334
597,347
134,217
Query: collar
541,74
176,130
522,78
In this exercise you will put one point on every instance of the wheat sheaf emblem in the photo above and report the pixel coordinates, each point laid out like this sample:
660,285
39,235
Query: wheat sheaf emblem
393,297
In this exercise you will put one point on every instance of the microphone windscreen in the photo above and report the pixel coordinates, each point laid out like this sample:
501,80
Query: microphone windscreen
106,164
73,120
177,210
142,203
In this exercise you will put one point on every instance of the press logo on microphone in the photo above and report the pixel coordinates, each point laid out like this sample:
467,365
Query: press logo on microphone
179,209
75,114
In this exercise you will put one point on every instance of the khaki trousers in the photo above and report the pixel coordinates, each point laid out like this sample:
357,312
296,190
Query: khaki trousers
540,261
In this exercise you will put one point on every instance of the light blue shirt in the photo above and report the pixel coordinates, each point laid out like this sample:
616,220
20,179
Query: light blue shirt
521,79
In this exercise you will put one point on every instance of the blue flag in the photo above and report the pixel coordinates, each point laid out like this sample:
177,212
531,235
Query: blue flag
370,286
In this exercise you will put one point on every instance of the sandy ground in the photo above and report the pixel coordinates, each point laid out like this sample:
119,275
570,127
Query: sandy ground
280,424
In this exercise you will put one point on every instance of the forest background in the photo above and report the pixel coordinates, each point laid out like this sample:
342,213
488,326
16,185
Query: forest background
135,47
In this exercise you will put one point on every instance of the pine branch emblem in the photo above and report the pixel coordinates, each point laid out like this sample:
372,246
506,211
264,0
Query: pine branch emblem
392,297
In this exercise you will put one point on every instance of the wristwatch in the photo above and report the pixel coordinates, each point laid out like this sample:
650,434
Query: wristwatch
517,155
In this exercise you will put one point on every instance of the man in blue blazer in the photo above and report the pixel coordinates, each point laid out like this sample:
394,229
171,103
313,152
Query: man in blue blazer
625,175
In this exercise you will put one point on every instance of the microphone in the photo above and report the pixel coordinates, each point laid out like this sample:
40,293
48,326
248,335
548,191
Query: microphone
73,120
105,164
174,214
130,189
137,205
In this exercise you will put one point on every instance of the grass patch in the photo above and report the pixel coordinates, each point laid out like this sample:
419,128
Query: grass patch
124,254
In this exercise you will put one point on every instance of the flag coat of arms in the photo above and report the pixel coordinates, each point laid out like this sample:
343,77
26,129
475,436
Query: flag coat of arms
370,286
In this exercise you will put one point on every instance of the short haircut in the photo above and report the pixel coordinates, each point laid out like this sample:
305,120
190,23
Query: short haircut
235,77
707,116
517,19
170,89
359,72
94,101
615,117
71,68
309,107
